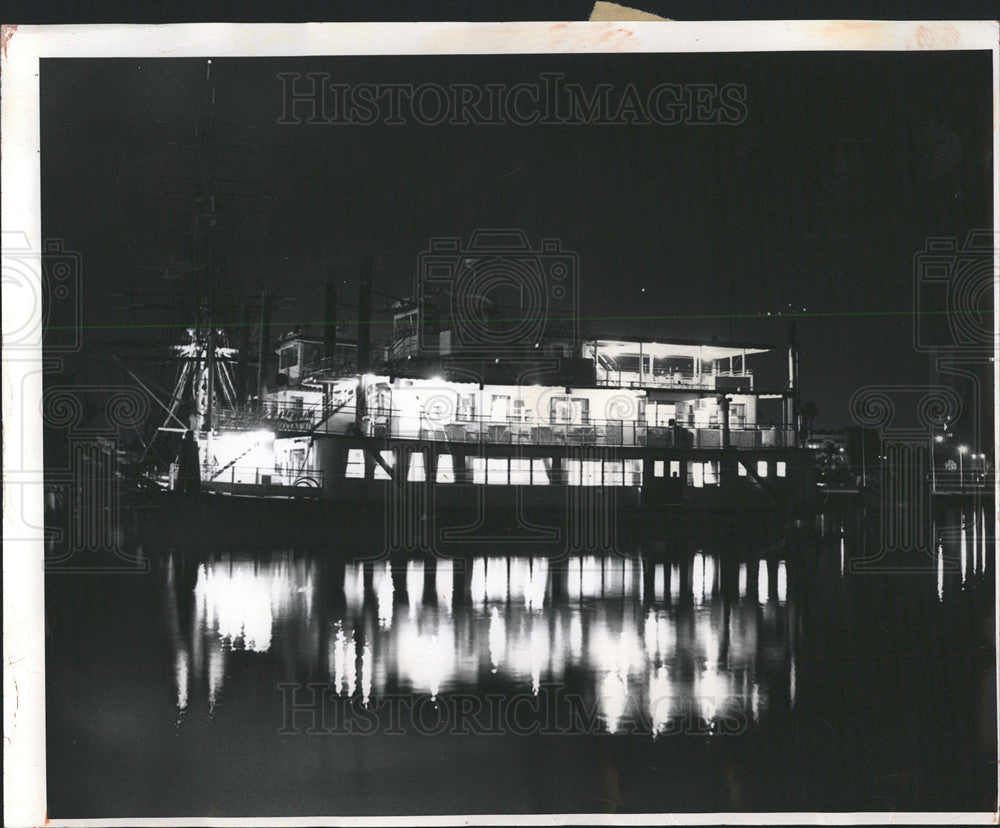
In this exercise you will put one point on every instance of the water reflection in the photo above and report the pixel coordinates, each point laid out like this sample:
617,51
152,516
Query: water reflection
703,636
830,666
237,604
962,549
680,638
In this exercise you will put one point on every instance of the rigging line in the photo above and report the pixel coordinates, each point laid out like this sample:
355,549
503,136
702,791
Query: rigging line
177,395
146,389
227,384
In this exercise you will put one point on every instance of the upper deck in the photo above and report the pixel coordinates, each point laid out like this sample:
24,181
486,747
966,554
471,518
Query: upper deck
636,363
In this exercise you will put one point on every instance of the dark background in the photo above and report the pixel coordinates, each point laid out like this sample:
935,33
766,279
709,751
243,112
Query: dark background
845,165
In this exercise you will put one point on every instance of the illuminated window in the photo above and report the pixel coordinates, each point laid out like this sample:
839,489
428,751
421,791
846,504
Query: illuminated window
573,470
696,475
633,472
675,468
466,408
591,473
657,468
540,471
520,471
478,466
712,473
389,458
614,472
762,468
417,472
445,469
500,408
741,470
355,463
560,410
780,468
569,410
496,471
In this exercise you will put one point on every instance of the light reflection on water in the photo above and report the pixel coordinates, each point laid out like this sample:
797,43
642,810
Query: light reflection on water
963,547
705,636
669,642
826,664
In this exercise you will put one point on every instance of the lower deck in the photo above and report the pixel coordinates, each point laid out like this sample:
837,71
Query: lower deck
353,468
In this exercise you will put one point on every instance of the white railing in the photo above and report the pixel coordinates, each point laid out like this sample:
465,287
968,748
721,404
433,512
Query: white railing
285,476
703,382
284,418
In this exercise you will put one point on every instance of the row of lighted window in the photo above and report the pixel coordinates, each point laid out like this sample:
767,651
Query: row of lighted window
537,471
516,471
706,473
709,470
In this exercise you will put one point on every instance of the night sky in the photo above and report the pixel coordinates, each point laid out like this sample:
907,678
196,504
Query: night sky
845,164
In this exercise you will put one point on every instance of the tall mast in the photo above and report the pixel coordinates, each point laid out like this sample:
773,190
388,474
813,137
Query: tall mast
210,348
365,311
265,341
330,320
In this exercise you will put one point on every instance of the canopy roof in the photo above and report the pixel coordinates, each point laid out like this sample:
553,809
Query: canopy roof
619,345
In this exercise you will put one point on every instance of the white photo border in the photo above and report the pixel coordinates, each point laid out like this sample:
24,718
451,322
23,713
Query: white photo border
22,47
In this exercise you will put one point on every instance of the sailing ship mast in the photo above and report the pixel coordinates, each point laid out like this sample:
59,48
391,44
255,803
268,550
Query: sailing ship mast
213,373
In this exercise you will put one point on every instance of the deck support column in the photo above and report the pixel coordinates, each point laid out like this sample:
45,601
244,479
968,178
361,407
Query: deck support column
460,583
724,405
558,472
559,581
429,597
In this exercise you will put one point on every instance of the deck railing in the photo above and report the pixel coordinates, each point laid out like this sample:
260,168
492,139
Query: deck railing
286,418
722,380
290,476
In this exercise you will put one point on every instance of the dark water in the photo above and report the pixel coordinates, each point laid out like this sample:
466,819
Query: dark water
801,673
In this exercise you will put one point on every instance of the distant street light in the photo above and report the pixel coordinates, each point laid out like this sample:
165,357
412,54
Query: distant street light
938,438
961,454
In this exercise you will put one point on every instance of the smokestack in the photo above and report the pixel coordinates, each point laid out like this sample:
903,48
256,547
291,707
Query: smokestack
793,356
265,343
242,379
365,312
330,319
793,381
